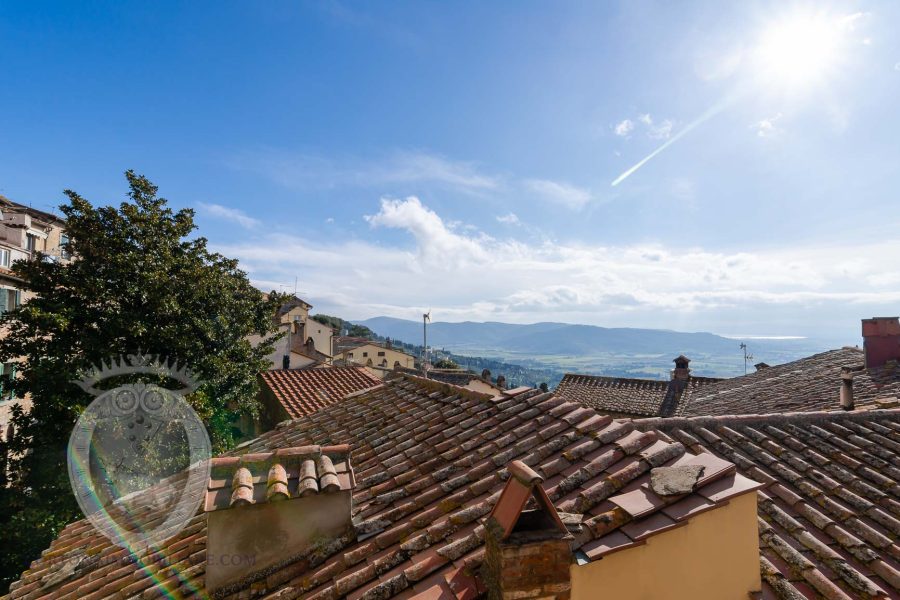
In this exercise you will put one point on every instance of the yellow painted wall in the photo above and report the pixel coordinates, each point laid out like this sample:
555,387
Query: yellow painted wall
714,557
321,335
478,385
296,312
355,355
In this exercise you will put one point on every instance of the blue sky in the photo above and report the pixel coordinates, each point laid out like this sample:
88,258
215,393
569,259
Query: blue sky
397,157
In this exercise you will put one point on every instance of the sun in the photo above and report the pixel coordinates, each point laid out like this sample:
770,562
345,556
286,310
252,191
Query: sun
800,50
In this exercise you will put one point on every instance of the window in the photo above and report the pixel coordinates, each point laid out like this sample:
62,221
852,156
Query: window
9,299
349,355
365,354
4,258
64,246
381,354
7,374
30,242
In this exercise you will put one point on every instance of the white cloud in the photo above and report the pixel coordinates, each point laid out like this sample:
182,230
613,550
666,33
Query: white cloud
624,127
897,66
435,239
329,220
656,131
662,131
229,214
479,277
302,171
509,219
564,194
767,127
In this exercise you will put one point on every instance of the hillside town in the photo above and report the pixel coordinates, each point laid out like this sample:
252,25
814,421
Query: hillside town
410,300
403,479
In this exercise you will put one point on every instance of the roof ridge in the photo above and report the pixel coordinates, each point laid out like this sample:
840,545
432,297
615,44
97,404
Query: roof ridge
616,378
440,386
788,417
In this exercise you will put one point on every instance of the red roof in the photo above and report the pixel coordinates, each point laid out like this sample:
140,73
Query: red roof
430,461
304,391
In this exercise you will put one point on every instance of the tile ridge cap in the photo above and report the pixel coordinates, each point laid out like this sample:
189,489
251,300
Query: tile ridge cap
448,388
615,378
748,419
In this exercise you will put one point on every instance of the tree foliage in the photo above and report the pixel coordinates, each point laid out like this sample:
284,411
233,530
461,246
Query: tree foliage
140,281
340,325
445,363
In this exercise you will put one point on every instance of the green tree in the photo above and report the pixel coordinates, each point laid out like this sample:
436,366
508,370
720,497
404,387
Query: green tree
445,363
359,331
140,281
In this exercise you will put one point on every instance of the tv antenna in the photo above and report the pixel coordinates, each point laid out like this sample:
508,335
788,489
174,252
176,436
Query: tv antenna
747,357
426,317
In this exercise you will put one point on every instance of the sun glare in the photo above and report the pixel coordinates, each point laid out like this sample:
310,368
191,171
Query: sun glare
800,50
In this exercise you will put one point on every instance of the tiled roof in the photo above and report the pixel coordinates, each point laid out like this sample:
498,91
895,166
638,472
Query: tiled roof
808,384
623,396
829,514
284,473
345,342
430,462
304,391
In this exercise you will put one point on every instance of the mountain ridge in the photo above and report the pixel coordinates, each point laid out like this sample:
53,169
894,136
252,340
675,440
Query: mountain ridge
620,351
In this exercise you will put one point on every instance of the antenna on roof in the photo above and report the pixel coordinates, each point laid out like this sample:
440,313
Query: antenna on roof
425,319
747,357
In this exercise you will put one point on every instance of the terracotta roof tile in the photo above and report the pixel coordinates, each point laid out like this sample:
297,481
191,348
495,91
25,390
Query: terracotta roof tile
808,384
281,474
304,391
623,396
828,510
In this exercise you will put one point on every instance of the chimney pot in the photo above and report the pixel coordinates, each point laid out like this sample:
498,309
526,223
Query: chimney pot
881,340
681,371
847,389
527,552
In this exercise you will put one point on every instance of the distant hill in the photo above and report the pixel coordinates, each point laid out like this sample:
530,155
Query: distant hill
551,338
620,351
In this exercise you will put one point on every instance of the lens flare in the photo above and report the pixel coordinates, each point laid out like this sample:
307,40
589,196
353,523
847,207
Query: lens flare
800,50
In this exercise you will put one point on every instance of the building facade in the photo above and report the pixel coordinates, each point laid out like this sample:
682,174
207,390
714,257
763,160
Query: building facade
25,234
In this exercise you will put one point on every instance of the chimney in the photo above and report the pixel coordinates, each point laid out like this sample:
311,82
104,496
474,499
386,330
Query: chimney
760,366
486,375
846,388
268,510
881,340
388,343
527,552
501,382
681,372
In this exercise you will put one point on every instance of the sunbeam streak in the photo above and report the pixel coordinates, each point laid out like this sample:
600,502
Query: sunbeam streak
706,116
